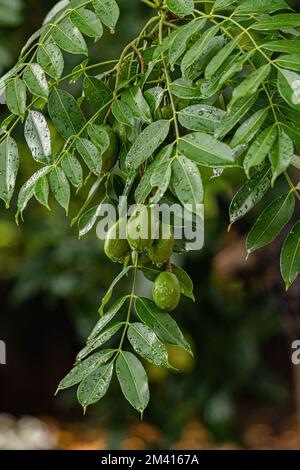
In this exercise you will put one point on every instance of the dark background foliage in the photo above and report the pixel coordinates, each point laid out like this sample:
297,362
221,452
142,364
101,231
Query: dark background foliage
241,325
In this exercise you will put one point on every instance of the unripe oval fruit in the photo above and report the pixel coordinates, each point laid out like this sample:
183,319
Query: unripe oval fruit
141,229
120,129
110,156
166,291
116,248
162,248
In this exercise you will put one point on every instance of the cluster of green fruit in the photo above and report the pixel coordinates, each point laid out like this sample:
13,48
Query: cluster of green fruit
153,242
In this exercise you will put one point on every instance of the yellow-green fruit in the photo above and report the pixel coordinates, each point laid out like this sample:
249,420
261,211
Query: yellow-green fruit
166,291
141,229
110,155
162,248
180,359
117,248
120,130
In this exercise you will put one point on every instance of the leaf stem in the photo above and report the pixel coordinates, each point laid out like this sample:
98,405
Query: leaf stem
168,79
150,4
132,297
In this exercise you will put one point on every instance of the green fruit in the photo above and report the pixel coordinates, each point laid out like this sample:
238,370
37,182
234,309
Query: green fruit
162,248
120,129
141,229
166,112
166,291
117,249
110,155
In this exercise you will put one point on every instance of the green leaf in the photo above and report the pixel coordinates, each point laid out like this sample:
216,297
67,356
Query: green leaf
281,154
260,148
204,57
296,161
289,113
160,179
144,187
250,85
181,7
32,39
289,46
9,166
38,138
50,58
224,4
133,380
98,96
250,194
187,183
122,112
109,292
90,155
69,38
145,342
186,283
85,368
15,96
289,87
27,190
41,191
65,113
201,117
235,114
109,315
293,132
87,22
95,385
108,12
58,8
270,223
146,144
99,136
87,220
154,97
278,22
99,340
185,89
60,187
164,46
206,150
10,74
289,61
290,256
161,323
233,65
249,128
221,56
258,7
134,98
72,170
35,80
182,37
197,53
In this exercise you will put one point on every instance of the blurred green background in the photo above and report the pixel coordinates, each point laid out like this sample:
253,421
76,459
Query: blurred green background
239,390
